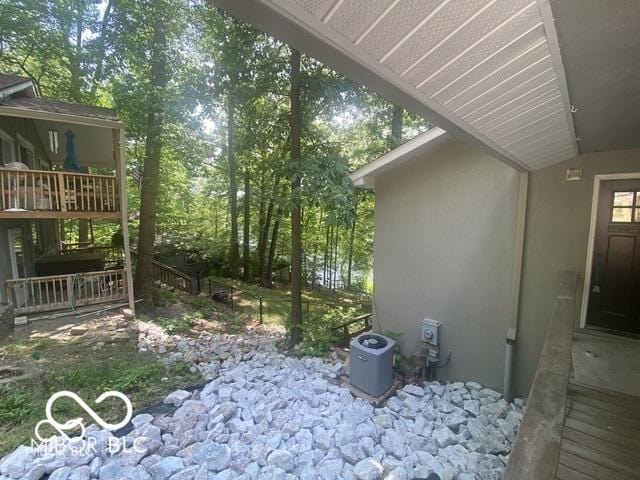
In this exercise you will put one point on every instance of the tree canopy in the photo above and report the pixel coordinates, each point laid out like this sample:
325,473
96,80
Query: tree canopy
231,152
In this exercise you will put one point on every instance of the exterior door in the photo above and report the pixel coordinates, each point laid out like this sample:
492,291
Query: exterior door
18,268
614,300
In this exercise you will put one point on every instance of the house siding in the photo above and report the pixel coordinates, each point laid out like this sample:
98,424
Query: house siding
25,127
444,248
557,235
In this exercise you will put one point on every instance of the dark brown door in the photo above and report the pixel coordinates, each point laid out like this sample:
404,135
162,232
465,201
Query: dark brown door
614,301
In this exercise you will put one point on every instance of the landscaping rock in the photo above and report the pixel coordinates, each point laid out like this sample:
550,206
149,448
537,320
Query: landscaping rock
368,469
177,398
166,467
264,415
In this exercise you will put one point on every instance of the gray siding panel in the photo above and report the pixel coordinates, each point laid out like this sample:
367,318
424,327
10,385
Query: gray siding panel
445,227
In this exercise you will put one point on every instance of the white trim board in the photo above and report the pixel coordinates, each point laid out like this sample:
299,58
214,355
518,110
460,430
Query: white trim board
365,177
586,290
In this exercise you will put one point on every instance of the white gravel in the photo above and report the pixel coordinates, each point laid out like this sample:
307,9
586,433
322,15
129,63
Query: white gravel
264,415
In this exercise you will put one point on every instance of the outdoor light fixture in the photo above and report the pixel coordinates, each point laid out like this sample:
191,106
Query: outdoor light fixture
53,140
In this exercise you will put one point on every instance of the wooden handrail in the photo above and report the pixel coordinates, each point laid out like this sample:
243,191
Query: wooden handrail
536,451
164,274
57,191
342,330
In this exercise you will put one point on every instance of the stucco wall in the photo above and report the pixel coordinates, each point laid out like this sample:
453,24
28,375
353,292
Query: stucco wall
444,234
557,235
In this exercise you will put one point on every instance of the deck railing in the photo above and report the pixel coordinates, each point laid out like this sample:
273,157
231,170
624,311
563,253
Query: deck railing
536,450
170,277
43,190
56,292
352,328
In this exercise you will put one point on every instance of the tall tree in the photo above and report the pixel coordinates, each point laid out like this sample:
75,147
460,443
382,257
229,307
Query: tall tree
296,222
396,126
246,227
234,245
151,168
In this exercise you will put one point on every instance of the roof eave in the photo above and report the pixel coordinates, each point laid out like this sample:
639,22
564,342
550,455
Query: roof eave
364,177
329,48
18,87
59,117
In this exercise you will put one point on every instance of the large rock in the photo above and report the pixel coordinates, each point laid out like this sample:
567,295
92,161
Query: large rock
166,467
177,398
368,469
282,459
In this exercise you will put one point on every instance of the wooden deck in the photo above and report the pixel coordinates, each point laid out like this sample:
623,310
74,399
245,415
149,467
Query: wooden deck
601,435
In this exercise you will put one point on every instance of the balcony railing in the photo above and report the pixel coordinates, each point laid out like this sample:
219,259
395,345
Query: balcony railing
57,193
57,292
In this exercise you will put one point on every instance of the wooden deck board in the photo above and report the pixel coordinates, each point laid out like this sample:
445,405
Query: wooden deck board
601,436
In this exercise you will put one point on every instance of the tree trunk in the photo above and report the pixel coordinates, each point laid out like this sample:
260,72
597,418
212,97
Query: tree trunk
296,223
396,126
234,247
246,230
97,77
352,237
261,221
268,273
335,259
325,265
83,230
262,254
151,168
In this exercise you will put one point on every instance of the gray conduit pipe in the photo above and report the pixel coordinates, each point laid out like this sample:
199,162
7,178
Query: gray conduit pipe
516,279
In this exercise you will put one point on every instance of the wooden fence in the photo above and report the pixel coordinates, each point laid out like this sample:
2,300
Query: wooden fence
39,294
43,190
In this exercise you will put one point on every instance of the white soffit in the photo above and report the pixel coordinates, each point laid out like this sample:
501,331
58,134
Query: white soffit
490,69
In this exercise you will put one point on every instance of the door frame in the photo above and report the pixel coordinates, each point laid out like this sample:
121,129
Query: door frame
586,290
12,252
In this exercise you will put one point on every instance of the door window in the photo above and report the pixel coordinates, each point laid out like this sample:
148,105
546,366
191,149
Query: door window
626,207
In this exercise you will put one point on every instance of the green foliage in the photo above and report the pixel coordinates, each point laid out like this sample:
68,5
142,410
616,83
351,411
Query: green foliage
14,405
89,373
180,325
400,361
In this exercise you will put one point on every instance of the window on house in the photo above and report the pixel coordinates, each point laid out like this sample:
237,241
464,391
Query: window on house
6,148
26,152
626,207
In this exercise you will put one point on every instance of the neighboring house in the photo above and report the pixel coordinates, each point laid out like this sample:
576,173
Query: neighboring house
475,225
38,270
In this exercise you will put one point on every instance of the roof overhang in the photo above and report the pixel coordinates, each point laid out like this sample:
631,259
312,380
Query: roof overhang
488,71
94,136
600,46
414,148
14,111
25,86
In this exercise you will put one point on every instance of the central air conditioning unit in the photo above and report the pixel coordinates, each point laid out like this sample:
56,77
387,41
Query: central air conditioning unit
371,363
